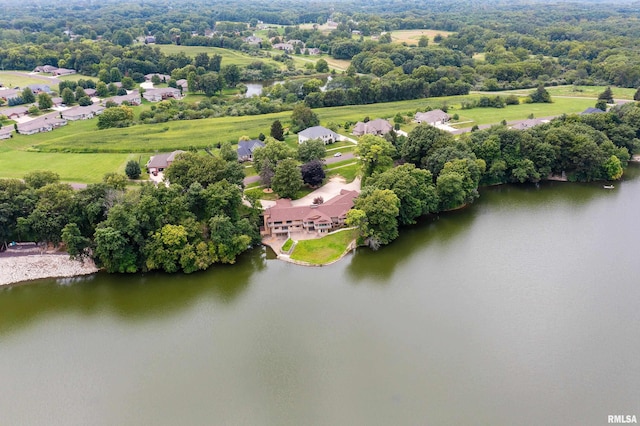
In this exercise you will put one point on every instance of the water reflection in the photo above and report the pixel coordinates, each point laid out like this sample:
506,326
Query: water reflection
132,297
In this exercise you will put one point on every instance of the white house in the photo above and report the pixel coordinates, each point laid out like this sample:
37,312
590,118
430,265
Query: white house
82,112
157,95
318,132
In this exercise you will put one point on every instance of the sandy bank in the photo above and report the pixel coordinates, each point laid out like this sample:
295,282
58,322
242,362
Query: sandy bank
14,269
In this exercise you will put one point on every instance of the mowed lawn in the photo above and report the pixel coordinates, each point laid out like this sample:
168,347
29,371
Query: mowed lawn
577,91
82,168
228,56
324,250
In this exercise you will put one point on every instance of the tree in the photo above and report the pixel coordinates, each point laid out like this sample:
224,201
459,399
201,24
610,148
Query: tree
75,243
312,173
636,96
121,116
277,132
414,188
68,97
423,41
132,169
375,153
39,178
287,179
79,93
189,168
122,38
128,83
381,207
85,101
27,96
115,75
211,83
302,117
312,149
322,65
606,96
101,89
115,181
601,105
274,151
422,141
231,74
540,95
227,152
613,168
44,101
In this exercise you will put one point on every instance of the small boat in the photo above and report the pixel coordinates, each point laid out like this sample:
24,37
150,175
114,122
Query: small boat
608,186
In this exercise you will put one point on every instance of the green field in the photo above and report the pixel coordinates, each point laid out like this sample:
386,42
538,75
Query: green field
228,56
576,91
23,78
80,152
323,250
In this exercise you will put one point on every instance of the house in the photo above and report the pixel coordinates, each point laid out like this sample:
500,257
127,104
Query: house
90,92
159,162
57,101
39,88
45,123
246,148
63,71
283,217
15,112
253,40
435,117
149,39
163,77
182,83
318,132
82,112
132,98
313,51
156,95
45,68
6,132
287,47
592,110
527,124
376,127
7,94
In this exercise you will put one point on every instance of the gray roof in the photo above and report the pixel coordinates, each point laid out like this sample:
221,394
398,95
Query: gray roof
377,126
432,116
318,132
45,121
592,110
246,148
162,160
528,123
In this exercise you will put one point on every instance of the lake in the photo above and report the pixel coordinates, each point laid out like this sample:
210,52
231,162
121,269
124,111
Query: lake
522,309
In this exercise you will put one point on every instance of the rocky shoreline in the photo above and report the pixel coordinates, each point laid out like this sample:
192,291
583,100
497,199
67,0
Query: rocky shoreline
15,269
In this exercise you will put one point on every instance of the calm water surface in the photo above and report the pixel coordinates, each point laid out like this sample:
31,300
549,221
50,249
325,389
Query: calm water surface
523,309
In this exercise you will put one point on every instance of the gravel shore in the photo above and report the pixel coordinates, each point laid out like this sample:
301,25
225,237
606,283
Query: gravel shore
15,269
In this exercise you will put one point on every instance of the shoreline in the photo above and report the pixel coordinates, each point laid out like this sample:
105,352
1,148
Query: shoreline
20,269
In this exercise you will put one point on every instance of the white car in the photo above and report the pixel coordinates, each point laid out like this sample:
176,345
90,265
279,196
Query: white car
337,154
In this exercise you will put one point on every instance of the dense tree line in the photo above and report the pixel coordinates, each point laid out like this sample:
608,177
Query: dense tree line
434,172
197,221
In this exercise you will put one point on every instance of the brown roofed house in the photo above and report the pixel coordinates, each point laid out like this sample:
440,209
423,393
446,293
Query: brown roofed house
284,217
159,162
376,127
435,117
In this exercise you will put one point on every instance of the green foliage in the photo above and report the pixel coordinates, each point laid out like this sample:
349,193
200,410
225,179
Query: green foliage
312,149
413,187
121,116
540,95
376,154
189,168
39,178
302,117
381,207
606,96
277,132
322,65
132,169
287,179
44,101
27,96
115,181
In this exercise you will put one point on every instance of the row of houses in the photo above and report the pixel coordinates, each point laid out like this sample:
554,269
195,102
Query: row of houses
50,69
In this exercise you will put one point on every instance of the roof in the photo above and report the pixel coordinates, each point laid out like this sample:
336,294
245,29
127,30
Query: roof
318,132
164,77
246,148
83,110
163,160
14,110
527,124
592,110
10,93
50,120
6,130
374,126
432,116
39,88
133,96
336,207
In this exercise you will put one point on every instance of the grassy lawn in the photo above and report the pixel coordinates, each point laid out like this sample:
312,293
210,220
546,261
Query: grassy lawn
228,56
23,79
348,169
83,168
287,245
323,250
80,152
338,64
577,91
413,36
522,111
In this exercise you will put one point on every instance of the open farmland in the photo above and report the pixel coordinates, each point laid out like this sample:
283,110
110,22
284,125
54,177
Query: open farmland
413,36
228,56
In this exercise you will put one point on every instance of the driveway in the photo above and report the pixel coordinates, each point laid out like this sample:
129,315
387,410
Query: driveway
328,191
